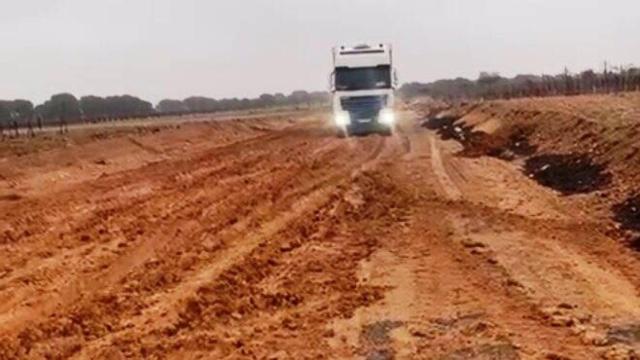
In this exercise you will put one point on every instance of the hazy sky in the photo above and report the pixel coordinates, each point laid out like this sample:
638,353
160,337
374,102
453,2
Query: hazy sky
224,48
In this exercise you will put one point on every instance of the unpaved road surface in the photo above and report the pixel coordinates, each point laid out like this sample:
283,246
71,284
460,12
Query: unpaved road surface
273,239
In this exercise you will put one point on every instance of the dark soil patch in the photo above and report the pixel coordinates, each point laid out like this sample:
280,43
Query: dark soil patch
475,143
447,128
568,173
378,332
439,122
10,197
518,142
478,143
506,145
375,339
627,214
629,334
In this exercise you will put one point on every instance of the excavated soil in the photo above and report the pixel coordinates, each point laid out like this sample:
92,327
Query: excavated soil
567,173
507,146
575,145
627,213
270,238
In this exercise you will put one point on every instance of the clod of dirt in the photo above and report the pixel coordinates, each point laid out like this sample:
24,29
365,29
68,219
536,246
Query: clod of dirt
627,213
376,338
554,356
383,354
485,352
378,332
568,173
629,334
620,352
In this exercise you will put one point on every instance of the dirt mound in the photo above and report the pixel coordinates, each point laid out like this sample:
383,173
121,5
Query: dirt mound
568,173
582,143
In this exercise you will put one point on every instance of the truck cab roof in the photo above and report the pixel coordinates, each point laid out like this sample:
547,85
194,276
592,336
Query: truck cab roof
363,55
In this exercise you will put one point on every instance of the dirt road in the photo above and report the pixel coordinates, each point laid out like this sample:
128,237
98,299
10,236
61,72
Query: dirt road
273,239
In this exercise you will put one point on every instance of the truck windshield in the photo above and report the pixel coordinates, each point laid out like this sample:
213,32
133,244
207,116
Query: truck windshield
364,78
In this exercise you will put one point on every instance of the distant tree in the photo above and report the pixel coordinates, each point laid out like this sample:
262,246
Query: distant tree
588,81
201,104
93,107
488,78
247,104
319,97
298,97
266,100
23,108
280,99
5,112
634,75
61,106
128,106
172,106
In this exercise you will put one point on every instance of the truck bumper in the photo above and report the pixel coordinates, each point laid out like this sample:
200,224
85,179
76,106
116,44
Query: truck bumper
368,128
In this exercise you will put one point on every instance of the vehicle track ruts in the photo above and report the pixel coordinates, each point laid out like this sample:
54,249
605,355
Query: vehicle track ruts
331,161
123,210
297,244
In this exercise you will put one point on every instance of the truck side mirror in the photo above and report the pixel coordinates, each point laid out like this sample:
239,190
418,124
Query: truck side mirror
395,79
332,83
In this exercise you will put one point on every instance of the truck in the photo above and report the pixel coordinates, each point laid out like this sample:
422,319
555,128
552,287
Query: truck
362,86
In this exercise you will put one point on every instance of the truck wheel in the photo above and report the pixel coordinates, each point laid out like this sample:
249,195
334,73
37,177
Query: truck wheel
386,132
342,133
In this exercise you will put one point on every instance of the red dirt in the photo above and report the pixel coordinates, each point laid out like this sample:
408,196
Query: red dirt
273,239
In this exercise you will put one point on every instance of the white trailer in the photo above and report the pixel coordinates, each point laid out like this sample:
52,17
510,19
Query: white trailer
363,84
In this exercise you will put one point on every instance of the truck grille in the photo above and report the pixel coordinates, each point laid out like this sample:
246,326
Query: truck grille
363,107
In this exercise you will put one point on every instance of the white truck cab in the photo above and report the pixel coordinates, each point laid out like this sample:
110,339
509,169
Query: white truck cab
363,84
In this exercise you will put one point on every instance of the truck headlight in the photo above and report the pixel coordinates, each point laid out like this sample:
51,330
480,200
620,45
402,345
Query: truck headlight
387,117
342,118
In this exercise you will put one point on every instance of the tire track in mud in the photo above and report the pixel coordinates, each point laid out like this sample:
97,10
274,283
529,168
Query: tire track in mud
440,298
168,302
448,186
334,161
77,197
172,173
129,230
283,284
306,246
142,206
560,295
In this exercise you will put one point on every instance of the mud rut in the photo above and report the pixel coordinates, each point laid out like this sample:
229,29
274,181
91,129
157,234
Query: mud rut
296,244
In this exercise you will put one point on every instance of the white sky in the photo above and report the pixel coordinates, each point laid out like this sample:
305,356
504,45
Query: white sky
240,48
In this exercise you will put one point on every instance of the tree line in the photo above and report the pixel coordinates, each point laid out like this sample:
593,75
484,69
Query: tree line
66,108
198,104
493,86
